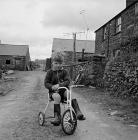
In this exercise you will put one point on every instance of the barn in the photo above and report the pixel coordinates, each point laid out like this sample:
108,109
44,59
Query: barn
15,57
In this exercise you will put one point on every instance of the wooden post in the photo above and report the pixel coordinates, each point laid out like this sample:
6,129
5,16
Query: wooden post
74,47
71,72
83,54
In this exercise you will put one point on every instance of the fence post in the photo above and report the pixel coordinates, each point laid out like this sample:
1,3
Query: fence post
71,72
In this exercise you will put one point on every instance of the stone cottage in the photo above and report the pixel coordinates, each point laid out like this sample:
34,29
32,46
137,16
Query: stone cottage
117,30
84,49
15,57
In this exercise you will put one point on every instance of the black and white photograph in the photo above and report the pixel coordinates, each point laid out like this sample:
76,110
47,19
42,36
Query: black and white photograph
68,69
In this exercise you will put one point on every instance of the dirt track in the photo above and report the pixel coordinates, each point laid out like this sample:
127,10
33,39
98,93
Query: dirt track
19,110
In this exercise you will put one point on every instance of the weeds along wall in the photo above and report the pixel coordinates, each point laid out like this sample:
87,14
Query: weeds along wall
121,72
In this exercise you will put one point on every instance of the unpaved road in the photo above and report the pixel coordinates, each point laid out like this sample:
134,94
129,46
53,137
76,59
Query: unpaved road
19,110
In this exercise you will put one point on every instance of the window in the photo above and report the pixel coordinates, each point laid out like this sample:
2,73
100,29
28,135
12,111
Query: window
118,25
136,8
8,62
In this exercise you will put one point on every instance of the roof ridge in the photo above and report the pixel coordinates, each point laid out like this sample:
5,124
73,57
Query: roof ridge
72,39
108,21
14,45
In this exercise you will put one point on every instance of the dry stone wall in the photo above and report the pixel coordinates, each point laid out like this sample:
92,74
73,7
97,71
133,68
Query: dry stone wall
91,72
120,74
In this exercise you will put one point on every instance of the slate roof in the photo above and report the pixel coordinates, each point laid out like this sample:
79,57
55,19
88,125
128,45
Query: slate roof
117,15
16,50
67,45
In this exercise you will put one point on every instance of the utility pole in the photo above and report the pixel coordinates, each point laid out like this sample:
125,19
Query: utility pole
74,44
83,54
74,47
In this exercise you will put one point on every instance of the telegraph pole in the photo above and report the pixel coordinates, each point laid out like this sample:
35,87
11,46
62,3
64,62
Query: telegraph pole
74,44
74,47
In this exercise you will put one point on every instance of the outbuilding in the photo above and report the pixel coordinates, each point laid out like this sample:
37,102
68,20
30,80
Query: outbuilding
15,57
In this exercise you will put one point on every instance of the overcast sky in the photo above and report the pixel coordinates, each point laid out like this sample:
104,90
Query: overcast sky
37,22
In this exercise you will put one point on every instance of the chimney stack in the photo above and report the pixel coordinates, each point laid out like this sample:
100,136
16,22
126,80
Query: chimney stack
129,2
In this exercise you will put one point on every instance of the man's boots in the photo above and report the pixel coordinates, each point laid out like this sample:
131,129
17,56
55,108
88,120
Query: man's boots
77,110
57,115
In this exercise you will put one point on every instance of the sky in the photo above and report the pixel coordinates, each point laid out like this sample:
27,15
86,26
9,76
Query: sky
37,22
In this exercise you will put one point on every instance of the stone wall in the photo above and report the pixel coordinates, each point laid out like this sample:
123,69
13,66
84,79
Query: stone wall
74,69
16,62
68,56
121,72
92,72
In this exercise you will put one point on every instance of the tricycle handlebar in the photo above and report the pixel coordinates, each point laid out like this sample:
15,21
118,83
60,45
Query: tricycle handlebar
72,86
63,88
77,86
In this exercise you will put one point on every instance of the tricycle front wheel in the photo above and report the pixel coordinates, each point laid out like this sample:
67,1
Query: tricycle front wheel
69,123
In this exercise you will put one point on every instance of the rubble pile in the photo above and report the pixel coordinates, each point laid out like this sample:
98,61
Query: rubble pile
5,87
7,82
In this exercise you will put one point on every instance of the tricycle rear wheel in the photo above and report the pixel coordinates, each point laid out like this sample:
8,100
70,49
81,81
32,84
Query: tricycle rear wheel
41,118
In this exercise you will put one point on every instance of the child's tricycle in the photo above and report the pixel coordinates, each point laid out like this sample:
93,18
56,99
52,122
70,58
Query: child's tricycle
68,119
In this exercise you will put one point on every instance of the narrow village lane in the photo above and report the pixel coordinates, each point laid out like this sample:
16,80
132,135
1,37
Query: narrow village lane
19,110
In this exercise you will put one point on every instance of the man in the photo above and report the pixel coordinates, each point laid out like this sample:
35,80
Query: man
58,77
